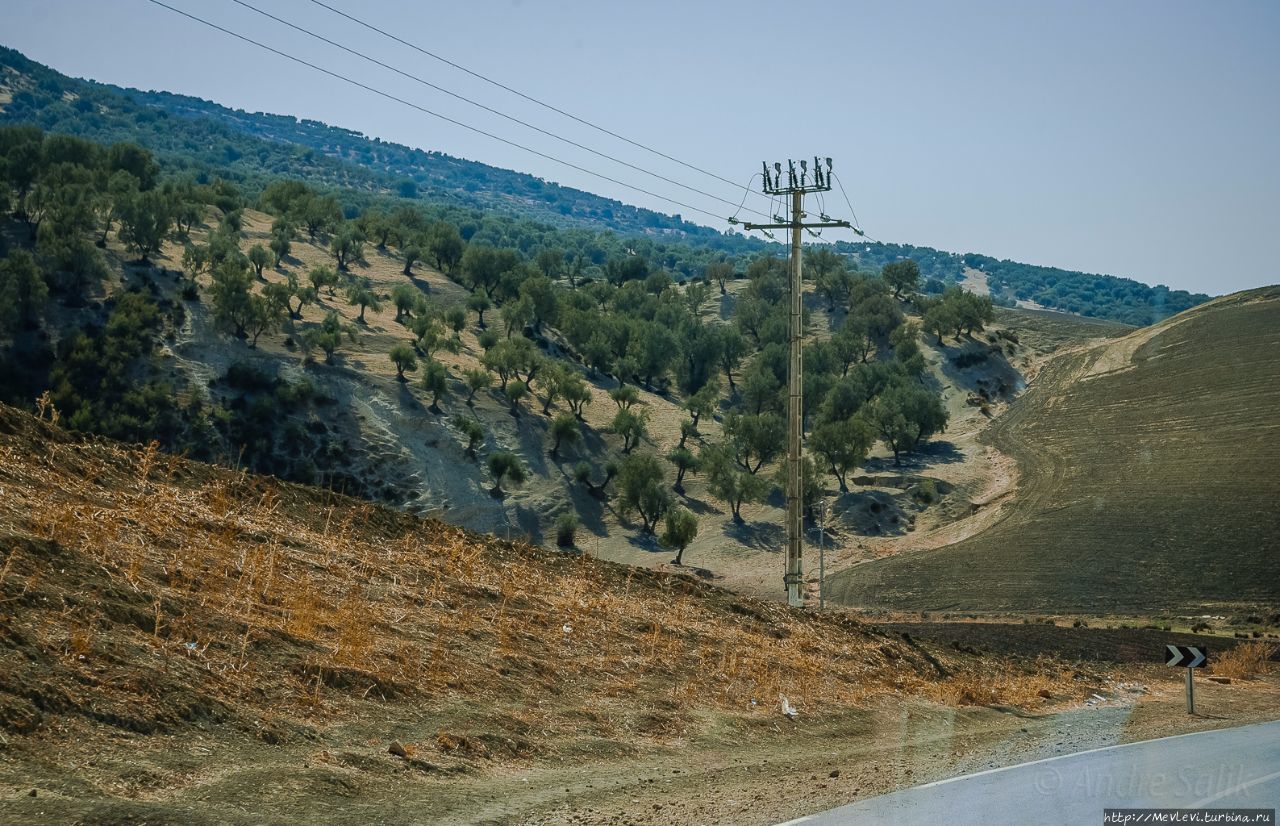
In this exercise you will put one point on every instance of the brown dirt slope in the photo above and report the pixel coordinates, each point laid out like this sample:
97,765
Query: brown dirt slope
1149,481
144,593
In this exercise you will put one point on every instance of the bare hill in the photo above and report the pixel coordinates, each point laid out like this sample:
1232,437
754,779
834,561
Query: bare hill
1148,481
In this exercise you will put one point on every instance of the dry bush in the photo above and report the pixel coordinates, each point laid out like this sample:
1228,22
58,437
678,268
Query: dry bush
1005,685
1248,659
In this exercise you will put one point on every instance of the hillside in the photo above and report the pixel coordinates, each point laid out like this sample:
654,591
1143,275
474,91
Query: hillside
1148,481
182,641
203,139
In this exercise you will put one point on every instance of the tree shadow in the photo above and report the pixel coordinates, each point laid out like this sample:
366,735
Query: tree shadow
699,506
408,401
530,523
761,536
646,541
932,452
728,303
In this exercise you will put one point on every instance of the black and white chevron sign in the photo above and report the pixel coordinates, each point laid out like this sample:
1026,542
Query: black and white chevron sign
1187,656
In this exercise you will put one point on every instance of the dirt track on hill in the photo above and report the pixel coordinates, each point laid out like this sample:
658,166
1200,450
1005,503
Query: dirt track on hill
1149,482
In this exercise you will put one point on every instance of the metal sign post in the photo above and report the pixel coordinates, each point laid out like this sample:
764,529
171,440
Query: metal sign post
1193,657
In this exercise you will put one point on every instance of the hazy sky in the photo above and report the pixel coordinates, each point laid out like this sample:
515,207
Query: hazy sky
1140,139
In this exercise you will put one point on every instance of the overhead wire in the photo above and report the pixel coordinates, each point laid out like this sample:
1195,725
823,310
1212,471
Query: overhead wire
856,223
526,97
424,110
491,110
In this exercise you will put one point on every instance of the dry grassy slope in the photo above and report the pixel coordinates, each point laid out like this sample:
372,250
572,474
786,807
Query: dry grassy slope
147,593
1149,468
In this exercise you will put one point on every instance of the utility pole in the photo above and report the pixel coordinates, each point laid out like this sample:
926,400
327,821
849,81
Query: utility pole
797,186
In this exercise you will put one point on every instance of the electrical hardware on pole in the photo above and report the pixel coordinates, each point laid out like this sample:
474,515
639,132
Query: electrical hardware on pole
797,185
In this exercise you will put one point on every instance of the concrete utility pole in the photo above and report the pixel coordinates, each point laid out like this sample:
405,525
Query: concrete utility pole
797,185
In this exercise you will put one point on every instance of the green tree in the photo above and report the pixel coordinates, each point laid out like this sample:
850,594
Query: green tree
432,335
323,278
551,261
566,529
729,482
435,380
703,403
843,445
631,425
543,303
403,357
755,439
318,213
456,318
347,246
732,348
642,489
472,430
302,295
719,272
477,303
231,298
515,390
582,475
280,248
575,392
412,254
407,300
476,380
258,259
328,335
145,218
23,293
483,267
516,315
681,529
685,462
905,415
446,246
564,429
625,396
504,465
903,276
360,295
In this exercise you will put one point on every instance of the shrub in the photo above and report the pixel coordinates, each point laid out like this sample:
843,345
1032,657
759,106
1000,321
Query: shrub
1245,660
566,529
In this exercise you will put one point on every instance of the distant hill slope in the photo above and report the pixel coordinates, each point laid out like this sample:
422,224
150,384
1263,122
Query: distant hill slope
1149,467
205,138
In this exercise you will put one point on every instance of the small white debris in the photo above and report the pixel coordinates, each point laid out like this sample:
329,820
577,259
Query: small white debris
567,628
788,710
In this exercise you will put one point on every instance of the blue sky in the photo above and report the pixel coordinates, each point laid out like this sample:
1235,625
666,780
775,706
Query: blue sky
1137,138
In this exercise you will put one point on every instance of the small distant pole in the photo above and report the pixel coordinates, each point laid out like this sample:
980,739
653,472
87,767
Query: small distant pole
1191,692
796,186
822,555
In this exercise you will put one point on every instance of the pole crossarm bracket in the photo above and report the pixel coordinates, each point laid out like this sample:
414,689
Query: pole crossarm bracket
819,225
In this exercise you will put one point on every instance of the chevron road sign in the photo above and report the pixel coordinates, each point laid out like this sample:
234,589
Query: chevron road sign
1190,657
1187,656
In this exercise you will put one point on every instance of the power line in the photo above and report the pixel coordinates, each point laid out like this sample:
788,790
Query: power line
530,98
427,111
857,224
491,110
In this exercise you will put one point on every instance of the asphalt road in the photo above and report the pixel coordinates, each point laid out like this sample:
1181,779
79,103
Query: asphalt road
1227,768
